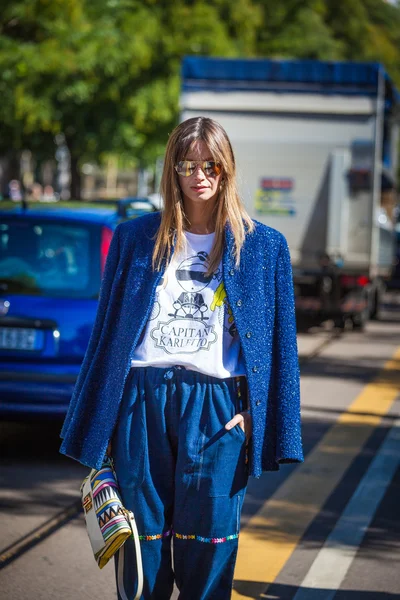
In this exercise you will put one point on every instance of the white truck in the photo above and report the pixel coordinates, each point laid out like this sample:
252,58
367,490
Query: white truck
316,150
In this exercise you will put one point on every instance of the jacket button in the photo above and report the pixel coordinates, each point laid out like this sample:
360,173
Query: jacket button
248,334
258,402
255,369
232,272
239,303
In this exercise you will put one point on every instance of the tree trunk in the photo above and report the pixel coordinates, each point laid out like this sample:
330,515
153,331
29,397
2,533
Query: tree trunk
75,179
9,169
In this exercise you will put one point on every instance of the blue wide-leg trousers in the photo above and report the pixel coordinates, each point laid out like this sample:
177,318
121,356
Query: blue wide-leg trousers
184,476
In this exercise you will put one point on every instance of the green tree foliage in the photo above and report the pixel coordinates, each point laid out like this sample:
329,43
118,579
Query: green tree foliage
297,29
106,73
360,30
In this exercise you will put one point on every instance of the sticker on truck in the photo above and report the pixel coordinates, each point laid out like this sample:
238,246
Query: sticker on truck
274,197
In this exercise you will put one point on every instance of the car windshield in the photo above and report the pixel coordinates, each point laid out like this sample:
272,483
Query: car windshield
49,258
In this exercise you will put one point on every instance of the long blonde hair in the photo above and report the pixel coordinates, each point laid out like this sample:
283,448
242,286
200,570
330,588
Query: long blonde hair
228,207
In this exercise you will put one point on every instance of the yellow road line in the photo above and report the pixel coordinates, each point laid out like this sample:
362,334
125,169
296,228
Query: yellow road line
273,533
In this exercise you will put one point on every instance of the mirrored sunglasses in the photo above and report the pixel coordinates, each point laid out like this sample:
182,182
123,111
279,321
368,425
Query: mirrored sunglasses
188,167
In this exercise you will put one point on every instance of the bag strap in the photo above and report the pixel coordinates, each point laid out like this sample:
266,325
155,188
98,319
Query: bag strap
138,556
139,565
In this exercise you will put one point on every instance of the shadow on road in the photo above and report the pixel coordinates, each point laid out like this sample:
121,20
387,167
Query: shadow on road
356,368
252,589
30,441
34,476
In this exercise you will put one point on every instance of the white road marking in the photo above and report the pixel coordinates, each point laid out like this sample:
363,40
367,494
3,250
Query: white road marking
335,557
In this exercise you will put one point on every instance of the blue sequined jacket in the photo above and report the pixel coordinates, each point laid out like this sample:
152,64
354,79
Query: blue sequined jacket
260,293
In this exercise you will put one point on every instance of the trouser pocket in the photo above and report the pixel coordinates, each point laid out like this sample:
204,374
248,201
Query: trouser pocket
220,467
229,470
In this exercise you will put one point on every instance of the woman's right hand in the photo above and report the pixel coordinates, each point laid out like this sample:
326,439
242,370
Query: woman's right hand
244,421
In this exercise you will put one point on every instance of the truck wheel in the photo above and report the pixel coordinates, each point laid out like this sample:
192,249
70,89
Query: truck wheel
360,320
345,323
374,314
339,322
305,322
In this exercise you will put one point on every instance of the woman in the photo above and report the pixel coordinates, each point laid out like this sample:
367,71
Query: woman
191,371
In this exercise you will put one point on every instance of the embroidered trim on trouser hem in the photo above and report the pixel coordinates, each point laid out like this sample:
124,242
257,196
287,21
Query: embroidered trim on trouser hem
183,536
206,540
157,536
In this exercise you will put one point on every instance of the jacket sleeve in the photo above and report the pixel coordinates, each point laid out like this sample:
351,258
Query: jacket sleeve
105,291
287,375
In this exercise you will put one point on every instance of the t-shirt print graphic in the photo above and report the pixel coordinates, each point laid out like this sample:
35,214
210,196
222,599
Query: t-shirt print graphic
189,330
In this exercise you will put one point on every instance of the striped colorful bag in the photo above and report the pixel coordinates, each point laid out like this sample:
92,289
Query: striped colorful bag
108,523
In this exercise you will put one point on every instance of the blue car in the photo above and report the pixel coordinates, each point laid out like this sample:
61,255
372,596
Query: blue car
51,263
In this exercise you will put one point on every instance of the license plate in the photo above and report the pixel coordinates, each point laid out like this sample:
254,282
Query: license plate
21,338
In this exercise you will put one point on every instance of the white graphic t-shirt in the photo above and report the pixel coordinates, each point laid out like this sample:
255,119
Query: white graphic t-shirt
191,323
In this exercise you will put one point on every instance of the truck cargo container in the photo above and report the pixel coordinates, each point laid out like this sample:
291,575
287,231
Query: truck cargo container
316,151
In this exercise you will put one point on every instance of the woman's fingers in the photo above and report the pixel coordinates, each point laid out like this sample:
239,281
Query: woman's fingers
237,420
244,421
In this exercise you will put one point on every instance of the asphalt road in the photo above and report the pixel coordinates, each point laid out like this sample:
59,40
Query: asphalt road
328,528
